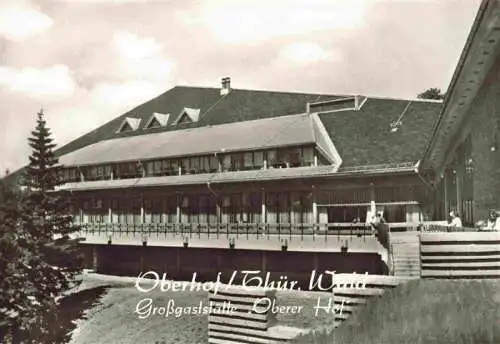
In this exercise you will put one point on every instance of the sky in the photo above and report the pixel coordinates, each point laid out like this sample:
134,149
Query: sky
86,62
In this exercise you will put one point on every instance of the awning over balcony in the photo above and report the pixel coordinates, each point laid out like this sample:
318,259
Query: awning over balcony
248,135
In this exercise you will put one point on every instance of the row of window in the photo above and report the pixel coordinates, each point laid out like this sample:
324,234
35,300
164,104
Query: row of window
254,160
383,194
392,213
282,207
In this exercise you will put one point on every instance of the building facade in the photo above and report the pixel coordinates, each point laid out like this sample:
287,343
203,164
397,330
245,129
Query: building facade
463,157
207,157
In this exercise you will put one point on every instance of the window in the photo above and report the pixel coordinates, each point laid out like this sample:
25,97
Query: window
185,165
272,158
188,115
283,158
154,124
97,172
214,164
237,162
184,119
157,120
125,128
301,207
284,207
395,213
226,163
129,124
235,212
258,159
71,175
294,157
150,169
95,210
248,160
347,214
194,165
251,207
126,170
160,168
203,209
204,164
307,156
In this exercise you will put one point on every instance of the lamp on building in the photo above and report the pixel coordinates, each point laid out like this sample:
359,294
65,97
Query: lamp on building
395,125
144,238
284,244
494,145
186,242
232,243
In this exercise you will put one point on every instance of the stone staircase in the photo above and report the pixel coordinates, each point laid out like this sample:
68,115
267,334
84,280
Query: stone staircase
405,254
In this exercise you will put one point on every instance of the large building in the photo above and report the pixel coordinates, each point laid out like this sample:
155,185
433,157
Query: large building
463,157
210,156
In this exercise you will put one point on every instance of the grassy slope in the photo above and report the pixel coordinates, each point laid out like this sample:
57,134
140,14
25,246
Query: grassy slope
428,311
422,311
114,320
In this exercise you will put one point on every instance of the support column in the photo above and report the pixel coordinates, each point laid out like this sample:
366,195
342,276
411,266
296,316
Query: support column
315,161
142,209
314,206
445,187
178,210
373,206
263,207
218,212
458,184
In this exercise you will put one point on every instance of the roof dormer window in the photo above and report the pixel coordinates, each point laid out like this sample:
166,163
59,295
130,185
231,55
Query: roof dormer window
129,124
157,120
187,115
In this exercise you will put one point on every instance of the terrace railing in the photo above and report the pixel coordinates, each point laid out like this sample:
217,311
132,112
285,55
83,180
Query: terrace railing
246,229
234,229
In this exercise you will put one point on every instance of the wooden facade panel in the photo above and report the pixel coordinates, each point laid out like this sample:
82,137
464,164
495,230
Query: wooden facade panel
253,203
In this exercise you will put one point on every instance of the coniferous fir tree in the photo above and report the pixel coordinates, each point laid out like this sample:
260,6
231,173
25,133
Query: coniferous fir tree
51,260
13,291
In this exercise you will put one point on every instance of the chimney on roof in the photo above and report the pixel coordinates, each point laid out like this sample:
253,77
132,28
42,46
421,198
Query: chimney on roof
226,86
357,102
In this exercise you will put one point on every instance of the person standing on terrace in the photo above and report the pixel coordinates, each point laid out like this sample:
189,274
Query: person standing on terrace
455,220
493,222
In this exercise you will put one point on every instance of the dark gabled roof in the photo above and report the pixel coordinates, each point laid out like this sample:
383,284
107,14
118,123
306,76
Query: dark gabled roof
364,137
238,105
361,137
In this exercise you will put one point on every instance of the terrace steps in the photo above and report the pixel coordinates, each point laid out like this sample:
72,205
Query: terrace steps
405,254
